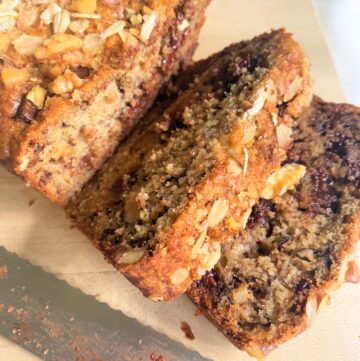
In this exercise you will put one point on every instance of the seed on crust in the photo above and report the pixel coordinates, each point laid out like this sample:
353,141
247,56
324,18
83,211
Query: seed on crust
218,212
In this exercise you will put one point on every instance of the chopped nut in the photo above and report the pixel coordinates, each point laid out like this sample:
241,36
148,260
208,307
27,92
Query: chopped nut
234,168
4,42
258,103
218,212
283,180
131,257
85,16
184,25
8,5
84,6
245,218
65,83
49,13
79,26
93,42
28,16
12,76
115,28
61,22
136,19
200,241
58,44
246,160
179,276
147,27
27,44
7,23
37,96
283,135
212,255
147,10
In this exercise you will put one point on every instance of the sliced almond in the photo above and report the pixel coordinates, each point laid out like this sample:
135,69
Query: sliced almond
27,44
147,27
61,22
311,310
131,257
283,135
218,212
7,23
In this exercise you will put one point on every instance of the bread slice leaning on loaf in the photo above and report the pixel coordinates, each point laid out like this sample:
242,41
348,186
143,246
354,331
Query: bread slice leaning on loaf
191,171
276,274
76,76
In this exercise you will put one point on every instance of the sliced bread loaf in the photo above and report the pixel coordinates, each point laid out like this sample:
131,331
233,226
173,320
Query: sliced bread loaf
191,171
76,76
274,276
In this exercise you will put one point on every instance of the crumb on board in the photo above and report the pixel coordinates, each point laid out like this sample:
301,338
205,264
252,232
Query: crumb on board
185,327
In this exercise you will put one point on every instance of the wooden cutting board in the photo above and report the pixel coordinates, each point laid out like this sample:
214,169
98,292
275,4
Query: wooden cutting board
40,233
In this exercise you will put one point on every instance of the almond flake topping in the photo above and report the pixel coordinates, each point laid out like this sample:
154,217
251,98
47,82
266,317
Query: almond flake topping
115,28
147,27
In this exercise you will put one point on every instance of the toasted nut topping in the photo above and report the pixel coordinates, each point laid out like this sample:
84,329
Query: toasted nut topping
245,218
47,16
84,6
12,76
218,212
61,22
257,104
131,257
234,168
200,241
115,28
37,96
58,44
4,42
179,276
184,25
246,160
65,83
93,42
311,310
283,180
7,23
8,5
147,27
210,258
79,26
27,44
283,135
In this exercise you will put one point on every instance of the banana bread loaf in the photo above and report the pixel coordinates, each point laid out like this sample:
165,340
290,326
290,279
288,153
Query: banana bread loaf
194,167
274,276
76,75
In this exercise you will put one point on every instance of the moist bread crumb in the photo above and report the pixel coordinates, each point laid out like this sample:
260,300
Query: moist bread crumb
276,274
196,164
76,76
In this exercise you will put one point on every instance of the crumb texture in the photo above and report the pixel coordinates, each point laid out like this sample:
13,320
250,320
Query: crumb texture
195,165
297,247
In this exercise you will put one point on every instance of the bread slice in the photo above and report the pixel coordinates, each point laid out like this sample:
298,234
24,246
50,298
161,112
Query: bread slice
191,171
276,274
76,76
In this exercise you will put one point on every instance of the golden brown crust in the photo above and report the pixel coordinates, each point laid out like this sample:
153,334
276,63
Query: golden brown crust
324,211
138,66
221,201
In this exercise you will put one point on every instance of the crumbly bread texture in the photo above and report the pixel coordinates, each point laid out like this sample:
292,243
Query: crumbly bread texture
274,276
194,167
76,76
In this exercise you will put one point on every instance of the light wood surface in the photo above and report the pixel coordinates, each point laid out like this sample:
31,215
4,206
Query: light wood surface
41,234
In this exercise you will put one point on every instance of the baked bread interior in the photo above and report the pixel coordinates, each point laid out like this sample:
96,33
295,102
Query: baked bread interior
195,165
77,75
275,275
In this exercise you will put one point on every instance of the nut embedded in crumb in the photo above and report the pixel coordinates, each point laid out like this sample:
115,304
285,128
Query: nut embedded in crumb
179,276
218,212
